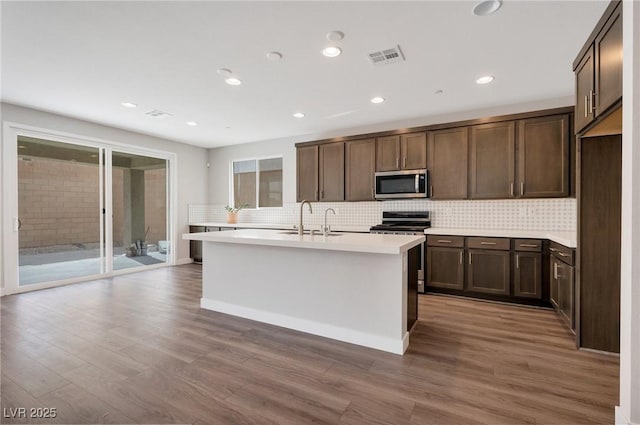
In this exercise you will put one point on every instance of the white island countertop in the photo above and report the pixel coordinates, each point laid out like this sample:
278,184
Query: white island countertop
244,225
567,239
352,242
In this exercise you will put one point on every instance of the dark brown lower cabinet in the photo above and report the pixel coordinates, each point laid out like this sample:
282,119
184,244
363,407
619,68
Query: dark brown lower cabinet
562,290
527,278
445,267
489,272
565,294
413,258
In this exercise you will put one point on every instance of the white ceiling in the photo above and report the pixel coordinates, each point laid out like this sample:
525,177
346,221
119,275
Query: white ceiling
83,59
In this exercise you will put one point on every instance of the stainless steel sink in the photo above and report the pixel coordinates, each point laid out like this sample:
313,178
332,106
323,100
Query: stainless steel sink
295,232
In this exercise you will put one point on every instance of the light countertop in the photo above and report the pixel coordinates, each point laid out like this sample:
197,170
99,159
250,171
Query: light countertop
568,239
353,242
281,226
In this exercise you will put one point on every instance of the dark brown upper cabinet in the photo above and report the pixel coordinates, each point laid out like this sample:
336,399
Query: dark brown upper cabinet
388,153
360,168
585,85
404,152
543,157
413,148
331,172
447,162
599,71
307,173
492,160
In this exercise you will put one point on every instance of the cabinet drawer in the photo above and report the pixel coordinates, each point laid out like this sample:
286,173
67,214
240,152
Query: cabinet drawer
488,243
565,254
450,241
532,245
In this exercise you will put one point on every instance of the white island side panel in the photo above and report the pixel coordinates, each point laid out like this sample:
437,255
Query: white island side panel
349,296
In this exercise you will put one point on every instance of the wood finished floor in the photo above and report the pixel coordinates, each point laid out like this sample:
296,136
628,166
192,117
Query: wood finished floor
138,349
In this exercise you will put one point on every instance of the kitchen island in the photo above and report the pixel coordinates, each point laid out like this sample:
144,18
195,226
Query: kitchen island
357,288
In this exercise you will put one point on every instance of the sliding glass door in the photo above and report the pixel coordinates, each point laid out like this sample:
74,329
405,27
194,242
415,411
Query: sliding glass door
139,199
80,209
59,210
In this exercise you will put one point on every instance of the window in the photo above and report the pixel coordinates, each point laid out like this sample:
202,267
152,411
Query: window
257,183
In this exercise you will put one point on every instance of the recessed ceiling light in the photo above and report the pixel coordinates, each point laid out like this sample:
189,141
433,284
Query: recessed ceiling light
335,35
485,79
129,105
487,7
274,56
298,115
232,81
192,123
331,51
377,99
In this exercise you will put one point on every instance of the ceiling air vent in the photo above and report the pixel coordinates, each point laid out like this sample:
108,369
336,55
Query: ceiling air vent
158,114
386,56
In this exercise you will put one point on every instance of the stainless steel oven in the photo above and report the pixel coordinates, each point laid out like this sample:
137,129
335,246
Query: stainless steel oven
407,223
401,184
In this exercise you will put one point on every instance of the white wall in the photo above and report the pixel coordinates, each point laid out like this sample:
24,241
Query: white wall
191,160
628,411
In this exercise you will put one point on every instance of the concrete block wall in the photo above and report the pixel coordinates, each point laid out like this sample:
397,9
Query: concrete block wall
59,203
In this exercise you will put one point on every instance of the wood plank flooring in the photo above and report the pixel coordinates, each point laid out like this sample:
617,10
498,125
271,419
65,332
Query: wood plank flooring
138,349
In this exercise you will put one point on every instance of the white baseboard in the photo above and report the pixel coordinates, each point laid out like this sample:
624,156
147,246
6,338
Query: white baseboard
183,261
621,419
390,345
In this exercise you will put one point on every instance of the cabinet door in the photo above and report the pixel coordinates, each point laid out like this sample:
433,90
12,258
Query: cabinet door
565,293
489,272
553,282
447,162
307,173
331,175
584,91
543,157
414,151
360,169
445,268
492,162
388,153
527,281
608,60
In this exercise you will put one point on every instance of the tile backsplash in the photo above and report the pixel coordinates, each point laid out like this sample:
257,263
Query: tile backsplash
521,214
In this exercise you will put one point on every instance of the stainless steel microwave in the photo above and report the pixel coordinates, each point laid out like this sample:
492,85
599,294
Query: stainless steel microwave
401,184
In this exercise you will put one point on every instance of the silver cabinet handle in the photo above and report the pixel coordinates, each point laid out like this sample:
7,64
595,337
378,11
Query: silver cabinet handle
555,270
511,188
431,191
521,188
444,241
417,183
517,261
562,254
585,106
460,257
398,161
487,243
470,260
404,162
553,250
592,102
528,245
